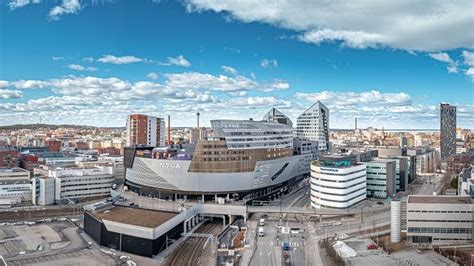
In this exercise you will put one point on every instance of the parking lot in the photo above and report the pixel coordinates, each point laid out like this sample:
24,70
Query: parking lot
50,242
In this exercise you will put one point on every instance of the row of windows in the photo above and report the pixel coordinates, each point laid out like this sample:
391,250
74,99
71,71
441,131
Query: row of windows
363,182
451,239
437,230
332,194
336,174
440,211
339,181
441,221
245,158
359,195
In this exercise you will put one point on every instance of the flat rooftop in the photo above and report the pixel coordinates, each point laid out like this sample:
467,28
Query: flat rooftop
439,199
6,170
134,216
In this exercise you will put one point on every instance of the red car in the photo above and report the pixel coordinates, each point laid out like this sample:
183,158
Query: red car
372,246
285,254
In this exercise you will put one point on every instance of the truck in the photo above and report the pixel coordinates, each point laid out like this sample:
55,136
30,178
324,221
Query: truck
260,231
262,222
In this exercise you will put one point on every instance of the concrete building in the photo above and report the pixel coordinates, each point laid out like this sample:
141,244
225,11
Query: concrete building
466,182
143,130
313,124
448,130
425,160
440,220
15,185
401,172
274,115
14,173
381,178
310,151
337,181
197,134
43,190
8,157
79,183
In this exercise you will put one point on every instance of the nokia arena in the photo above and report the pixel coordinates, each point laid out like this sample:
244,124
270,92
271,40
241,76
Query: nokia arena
240,158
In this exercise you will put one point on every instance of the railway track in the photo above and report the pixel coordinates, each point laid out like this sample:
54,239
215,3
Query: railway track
189,252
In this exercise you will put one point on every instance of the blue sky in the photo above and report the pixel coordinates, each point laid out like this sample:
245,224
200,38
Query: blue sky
94,62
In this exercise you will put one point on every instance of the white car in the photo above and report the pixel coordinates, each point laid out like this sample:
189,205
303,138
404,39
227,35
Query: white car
337,223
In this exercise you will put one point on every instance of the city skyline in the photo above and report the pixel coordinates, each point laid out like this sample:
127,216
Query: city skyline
232,62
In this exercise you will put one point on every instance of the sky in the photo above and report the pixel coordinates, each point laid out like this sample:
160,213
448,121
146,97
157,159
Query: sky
388,63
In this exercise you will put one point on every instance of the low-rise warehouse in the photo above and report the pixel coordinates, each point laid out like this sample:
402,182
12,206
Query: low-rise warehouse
138,231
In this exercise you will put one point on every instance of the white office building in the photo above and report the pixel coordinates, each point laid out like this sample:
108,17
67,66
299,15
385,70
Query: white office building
440,220
79,183
381,178
337,181
43,190
313,124
15,185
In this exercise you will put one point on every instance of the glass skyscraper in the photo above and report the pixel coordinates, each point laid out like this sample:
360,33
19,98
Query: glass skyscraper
448,130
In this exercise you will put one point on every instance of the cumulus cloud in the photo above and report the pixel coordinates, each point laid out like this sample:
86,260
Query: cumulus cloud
4,84
421,25
176,61
88,59
10,94
196,80
470,73
444,57
355,98
119,60
14,4
81,68
468,58
152,75
56,58
67,7
230,70
269,63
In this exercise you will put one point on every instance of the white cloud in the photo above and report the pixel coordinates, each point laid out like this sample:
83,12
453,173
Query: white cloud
177,61
276,85
81,68
444,57
196,80
470,73
4,83
422,25
30,84
268,63
230,70
342,99
14,4
119,60
10,94
88,59
56,58
152,75
468,58
66,7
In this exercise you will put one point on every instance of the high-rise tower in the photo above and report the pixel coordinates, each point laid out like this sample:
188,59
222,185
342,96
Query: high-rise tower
447,130
313,124
143,130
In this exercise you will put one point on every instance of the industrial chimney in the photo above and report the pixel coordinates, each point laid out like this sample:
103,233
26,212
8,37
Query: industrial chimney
169,130
356,123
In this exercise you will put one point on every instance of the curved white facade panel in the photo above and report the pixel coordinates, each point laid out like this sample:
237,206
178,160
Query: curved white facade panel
173,175
337,187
